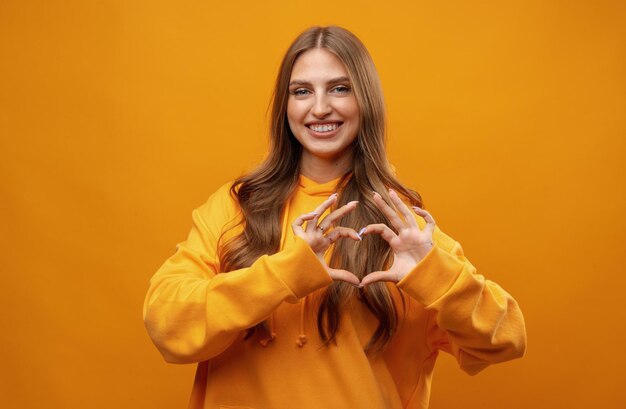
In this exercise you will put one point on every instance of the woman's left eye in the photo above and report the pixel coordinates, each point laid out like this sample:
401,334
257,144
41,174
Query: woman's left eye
341,89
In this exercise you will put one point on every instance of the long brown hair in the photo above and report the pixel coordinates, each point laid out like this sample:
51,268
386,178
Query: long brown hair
273,182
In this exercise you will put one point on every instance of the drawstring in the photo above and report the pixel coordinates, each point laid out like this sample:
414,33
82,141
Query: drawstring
285,225
302,337
265,341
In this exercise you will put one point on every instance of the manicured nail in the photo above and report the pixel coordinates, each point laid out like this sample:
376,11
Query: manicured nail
333,196
376,193
392,191
361,231
352,202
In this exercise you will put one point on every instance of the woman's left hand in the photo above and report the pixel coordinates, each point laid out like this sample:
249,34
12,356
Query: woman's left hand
410,245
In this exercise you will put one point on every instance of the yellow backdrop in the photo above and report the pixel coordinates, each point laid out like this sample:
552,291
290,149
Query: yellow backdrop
117,118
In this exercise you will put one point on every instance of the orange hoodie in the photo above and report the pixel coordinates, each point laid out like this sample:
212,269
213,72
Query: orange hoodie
194,314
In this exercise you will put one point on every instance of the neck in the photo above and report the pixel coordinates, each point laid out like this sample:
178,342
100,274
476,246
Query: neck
322,170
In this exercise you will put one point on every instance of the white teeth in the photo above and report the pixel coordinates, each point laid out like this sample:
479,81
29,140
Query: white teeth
324,128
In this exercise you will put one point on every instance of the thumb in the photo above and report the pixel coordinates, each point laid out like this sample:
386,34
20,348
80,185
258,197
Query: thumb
343,275
377,276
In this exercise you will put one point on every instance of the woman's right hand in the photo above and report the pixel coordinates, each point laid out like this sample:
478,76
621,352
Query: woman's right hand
317,235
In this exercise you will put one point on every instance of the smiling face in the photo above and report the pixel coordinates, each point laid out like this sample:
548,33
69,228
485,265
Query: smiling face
322,111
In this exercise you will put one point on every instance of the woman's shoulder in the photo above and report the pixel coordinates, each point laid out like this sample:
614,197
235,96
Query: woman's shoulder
220,208
223,192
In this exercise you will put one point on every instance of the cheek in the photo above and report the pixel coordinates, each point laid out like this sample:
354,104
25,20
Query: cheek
350,109
289,111
352,113
294,113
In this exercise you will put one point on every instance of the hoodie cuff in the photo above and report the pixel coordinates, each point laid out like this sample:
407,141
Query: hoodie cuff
432,277
300,270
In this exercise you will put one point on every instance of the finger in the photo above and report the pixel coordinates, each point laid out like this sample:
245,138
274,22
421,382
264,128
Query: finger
430,222
336,215
343,275
297,224
326,204
391,214
311,225
382,229
377,276
402,208
342,232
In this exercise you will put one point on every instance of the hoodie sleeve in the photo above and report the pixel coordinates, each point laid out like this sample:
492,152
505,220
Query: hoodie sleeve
471,317
193,312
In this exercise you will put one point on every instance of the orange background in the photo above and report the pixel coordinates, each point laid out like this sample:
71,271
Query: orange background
117,118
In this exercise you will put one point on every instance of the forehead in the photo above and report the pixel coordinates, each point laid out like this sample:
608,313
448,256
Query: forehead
318,64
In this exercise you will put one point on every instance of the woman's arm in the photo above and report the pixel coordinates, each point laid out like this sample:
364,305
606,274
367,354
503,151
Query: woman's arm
193,313
473,318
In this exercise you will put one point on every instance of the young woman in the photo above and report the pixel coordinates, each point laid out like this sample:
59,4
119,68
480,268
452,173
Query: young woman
317,280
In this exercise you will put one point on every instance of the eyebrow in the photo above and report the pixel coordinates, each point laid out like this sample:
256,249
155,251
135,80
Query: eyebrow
331,82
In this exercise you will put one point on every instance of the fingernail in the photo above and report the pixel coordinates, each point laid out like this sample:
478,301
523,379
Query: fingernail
392,191
333,196
361,231
352,202
376,193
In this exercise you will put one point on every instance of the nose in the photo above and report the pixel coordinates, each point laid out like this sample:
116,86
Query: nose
321,106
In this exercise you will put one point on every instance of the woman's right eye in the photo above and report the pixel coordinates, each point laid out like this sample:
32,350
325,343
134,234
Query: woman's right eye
300,92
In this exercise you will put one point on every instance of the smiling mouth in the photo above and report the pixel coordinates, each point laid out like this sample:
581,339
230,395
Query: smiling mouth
322,128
